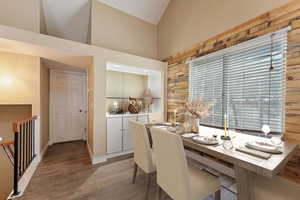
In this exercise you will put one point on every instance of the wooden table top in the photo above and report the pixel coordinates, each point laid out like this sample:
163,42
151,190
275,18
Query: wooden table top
268,168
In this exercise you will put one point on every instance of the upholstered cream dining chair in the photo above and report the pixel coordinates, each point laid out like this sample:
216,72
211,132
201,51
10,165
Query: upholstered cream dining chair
174,176
143,154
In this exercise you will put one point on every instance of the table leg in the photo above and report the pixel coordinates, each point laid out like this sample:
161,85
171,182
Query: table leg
245,184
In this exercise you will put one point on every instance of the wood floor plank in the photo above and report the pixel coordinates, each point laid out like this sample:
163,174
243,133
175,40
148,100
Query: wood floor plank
67,174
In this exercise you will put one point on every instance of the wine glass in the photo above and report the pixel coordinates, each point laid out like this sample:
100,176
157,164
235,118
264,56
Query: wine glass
266,129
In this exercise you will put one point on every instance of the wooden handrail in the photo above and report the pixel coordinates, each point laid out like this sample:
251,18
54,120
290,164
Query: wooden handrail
16,124
6,143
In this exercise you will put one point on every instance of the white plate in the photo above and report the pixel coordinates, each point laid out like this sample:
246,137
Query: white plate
264,146
189,135
205,140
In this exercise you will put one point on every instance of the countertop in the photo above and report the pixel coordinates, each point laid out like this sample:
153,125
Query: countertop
108,115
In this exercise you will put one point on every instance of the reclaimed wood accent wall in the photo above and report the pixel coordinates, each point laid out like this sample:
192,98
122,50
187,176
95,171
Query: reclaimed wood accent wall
288,15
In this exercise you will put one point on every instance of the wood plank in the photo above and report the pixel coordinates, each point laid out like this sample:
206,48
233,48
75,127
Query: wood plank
288,16
285,9
245,183
295,24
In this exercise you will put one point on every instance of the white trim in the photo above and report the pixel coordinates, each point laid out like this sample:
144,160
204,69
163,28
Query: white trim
119,154
99,159
90,152
84,74
102,159
24,181
95,160
44,150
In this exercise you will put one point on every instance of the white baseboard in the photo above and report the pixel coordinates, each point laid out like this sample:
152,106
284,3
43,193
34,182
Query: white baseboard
119,154
45,148
99,159
24,181
95,160
102,159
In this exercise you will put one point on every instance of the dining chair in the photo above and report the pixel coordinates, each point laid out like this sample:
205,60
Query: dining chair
174,176
144,157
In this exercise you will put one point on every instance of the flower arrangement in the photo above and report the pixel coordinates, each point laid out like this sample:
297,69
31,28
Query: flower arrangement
148,99
194,110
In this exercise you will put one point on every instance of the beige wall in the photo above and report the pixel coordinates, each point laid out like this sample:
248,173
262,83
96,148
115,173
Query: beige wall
24,14
90,122
19,85
43,25
186,23
116,30
8,115
66,51
20,80
24,80
44,98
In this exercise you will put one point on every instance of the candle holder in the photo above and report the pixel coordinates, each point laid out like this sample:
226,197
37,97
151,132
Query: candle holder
225,136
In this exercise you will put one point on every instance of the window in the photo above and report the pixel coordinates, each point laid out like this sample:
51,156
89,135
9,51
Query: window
206,80
247,82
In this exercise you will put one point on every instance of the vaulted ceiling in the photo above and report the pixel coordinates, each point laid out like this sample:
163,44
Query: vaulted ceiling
69,19
148,10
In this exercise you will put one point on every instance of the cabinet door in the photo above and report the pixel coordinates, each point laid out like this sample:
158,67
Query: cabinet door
127,135
114,135
143,119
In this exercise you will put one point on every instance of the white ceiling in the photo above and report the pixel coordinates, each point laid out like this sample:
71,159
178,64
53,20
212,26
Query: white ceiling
67,19
148,10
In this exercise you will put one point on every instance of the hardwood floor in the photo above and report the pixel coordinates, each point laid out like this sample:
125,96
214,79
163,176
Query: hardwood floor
67,174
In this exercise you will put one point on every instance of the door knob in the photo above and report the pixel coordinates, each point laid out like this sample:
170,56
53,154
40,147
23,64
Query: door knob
80,110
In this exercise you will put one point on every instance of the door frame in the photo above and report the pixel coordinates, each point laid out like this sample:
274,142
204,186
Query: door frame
51,100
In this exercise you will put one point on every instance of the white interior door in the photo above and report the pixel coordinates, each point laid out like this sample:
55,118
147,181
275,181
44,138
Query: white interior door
68,109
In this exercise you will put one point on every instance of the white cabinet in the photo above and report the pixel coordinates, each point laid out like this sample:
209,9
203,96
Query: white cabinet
114,135
119,137
127,135
143,118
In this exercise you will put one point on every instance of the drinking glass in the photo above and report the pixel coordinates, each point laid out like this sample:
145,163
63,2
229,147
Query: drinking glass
276,140
227,144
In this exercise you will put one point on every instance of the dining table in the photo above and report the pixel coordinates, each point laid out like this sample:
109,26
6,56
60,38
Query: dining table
244,166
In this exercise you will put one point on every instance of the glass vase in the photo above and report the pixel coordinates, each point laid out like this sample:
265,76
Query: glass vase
195,125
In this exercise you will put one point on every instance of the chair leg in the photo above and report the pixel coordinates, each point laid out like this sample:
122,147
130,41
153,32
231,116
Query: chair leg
148,186
134,173
218,195
159,192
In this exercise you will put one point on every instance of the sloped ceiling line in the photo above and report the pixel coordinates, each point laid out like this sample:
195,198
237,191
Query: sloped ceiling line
148,10
70,19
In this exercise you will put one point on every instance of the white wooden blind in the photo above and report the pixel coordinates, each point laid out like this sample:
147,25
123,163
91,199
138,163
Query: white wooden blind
206,80
247,81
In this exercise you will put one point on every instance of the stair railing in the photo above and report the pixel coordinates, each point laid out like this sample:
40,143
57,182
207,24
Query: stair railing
8,148
24,148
